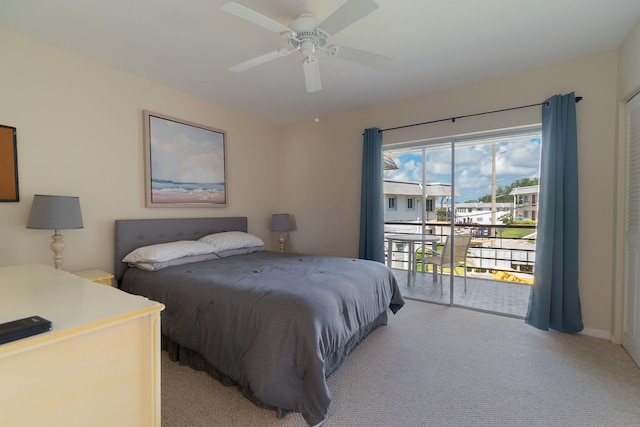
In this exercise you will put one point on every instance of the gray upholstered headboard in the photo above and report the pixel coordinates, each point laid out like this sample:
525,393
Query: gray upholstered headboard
133,233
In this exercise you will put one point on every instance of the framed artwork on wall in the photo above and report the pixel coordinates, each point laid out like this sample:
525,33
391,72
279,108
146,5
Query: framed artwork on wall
185,163
8,165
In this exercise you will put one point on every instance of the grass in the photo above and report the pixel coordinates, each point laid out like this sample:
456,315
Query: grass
514,232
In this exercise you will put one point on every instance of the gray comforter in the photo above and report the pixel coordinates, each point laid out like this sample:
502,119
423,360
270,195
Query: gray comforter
277,324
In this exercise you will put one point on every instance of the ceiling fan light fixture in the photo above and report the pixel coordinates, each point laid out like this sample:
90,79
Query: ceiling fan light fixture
308,48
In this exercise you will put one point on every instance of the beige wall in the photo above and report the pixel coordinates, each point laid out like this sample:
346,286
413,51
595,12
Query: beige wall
629,75
321,172
79,127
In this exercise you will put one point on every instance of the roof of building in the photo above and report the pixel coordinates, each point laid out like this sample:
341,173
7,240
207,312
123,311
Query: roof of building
408,188
483,205
388,163
532,189
402,188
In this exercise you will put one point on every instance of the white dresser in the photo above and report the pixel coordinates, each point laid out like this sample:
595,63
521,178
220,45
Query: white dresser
98,366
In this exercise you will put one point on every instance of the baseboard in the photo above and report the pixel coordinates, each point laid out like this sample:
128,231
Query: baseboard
597,333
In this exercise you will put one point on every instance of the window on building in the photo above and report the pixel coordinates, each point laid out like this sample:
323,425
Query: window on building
392,203
428,205
410,203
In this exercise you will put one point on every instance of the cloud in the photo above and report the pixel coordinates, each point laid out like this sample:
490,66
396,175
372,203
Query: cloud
515,159
409,168
183,153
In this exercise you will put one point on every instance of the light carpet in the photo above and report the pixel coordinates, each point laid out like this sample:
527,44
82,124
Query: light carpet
440,366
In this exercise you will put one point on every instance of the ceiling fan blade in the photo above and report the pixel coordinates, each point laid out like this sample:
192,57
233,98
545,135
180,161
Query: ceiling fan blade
311,74
243,66
362,57
347,14
254,17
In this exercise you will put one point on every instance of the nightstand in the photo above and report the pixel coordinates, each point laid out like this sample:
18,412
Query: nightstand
97,276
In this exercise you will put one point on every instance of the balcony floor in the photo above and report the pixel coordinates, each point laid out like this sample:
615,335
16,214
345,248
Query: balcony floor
498,296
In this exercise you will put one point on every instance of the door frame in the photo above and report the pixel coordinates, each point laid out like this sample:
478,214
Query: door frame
627,283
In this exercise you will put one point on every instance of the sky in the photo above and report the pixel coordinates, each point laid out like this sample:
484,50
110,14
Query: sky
185,153
515,159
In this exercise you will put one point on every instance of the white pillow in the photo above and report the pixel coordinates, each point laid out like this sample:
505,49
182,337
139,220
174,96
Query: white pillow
167,251
155,266
231,240
239,251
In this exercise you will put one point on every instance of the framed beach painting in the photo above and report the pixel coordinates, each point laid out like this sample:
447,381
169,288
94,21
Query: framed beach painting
185,163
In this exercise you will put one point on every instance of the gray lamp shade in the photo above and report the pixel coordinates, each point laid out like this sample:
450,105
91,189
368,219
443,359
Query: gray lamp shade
281,222
55,213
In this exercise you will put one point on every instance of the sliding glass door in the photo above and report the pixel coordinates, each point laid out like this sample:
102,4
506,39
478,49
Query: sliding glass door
477,191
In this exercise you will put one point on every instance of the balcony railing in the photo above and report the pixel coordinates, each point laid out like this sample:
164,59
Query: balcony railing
498,252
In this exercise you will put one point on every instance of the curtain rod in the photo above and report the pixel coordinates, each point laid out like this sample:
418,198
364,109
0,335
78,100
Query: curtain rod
453,119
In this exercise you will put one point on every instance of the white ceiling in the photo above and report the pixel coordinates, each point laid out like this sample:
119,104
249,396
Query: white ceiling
435,44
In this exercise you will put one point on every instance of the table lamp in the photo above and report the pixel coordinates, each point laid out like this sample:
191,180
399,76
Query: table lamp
55,213
281,223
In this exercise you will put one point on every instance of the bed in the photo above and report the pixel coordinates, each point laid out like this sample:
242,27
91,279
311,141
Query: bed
277,325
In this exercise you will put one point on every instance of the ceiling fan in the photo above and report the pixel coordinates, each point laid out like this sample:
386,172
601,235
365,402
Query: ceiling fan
307,35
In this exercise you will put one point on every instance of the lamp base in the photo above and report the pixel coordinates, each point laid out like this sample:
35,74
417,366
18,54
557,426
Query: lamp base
57,246
281,239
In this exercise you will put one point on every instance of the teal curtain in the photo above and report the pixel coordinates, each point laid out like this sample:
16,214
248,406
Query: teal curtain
555,300
372,198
